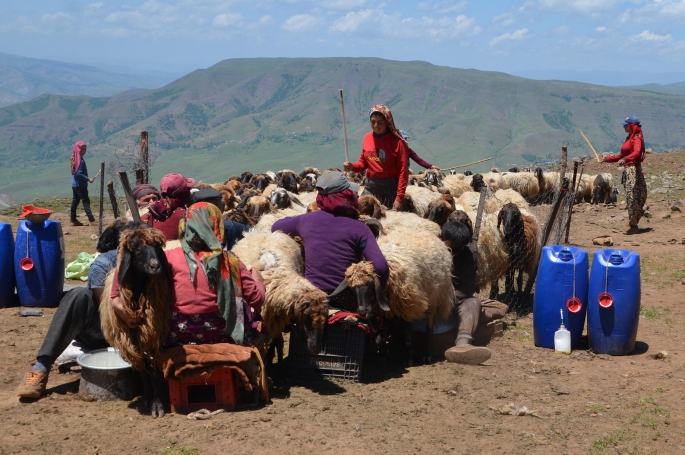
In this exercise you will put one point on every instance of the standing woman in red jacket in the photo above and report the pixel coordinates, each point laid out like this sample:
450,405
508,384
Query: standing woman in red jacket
631,157
385,158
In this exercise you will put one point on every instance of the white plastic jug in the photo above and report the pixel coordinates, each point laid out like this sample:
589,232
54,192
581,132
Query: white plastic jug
562,337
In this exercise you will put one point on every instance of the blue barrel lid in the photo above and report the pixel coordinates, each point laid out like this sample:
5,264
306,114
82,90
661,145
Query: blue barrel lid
565,254
616,258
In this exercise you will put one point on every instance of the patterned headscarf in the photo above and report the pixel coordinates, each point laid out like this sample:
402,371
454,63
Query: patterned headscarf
385,112
76,154
145,189
344,203
204,222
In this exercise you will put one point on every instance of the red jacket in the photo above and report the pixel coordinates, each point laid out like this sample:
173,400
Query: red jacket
385,157
632,150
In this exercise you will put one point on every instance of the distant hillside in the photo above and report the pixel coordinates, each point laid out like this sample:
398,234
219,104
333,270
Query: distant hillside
22,79
258,114
671,89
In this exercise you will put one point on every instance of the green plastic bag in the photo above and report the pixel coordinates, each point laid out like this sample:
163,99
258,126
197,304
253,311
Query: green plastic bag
78,270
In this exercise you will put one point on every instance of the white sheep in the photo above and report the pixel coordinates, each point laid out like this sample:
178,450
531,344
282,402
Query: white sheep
457,184
421,197
525,183
289,295
408,221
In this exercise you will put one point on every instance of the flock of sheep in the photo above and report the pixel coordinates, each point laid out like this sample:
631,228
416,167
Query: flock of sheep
420,281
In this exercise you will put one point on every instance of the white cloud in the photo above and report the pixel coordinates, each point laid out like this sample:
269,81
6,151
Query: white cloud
301,23
93,9
562,30
656,10
505,19
57,19
516,36
450,6
601,29
649,36
584,7
351,22
115,32
378,24
226,20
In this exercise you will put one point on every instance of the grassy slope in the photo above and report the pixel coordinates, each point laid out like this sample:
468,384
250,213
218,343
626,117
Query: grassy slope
260,114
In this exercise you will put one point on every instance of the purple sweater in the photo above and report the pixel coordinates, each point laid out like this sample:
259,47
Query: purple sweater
331,244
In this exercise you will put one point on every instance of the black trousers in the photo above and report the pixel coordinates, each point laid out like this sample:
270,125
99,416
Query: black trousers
80,193
78,317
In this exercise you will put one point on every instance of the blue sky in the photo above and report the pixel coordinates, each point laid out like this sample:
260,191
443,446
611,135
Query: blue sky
509,36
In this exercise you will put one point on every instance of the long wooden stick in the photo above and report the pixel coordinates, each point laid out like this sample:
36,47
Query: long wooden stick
588,143
102,197
129,196
342,106
464,165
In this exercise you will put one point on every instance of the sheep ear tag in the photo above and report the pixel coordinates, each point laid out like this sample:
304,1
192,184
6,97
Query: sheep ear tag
574,305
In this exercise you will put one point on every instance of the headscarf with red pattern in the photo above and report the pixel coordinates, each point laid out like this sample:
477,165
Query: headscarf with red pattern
76,154
201,234
636,130
345,203
385,112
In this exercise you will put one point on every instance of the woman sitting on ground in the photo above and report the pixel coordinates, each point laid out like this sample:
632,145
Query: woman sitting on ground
216,299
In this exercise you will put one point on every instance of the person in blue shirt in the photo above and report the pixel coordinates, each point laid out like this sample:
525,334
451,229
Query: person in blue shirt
78,315
79,183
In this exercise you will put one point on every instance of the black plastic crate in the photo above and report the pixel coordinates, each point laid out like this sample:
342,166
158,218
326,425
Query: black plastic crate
341,357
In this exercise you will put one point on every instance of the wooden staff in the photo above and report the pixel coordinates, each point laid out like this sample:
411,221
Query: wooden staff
342,106
129,196
102,198
588,143
464,165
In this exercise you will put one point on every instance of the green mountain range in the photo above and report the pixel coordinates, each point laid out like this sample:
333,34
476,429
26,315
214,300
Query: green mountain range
26,78
269,114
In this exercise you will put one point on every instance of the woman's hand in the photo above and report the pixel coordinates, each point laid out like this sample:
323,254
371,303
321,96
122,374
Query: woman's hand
130,320
347,166
397,205
435,167
622,162
256,274
90,180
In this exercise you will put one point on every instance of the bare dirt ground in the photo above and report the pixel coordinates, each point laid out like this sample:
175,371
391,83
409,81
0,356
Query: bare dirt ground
586,403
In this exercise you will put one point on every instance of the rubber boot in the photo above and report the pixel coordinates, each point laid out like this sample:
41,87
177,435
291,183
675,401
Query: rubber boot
466,353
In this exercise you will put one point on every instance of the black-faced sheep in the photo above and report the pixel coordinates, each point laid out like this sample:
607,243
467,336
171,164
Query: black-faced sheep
289,180
282,199
261,181
521,236
145,284
603,188
245,177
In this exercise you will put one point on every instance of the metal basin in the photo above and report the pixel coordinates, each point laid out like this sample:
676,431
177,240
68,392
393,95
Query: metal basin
105,376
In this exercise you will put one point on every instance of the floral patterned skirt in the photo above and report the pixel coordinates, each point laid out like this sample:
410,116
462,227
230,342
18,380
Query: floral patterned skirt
383,189
207,328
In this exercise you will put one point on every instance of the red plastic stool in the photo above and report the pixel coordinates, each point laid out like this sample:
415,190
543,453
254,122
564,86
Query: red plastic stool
216,391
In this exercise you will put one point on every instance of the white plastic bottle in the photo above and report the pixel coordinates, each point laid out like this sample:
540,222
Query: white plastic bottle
562,337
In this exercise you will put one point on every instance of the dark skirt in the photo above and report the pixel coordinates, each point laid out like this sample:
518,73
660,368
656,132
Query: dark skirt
385,190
